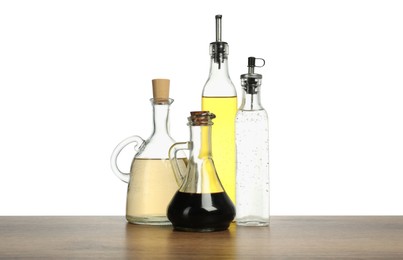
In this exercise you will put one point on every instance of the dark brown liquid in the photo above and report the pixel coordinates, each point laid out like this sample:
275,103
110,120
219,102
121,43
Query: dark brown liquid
201,212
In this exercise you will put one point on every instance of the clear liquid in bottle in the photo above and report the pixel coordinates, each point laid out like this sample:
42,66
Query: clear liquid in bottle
252,143
150,190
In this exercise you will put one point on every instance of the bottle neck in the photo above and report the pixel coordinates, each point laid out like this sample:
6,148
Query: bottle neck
219,83
201,141
161,117
251,101
201,176
218,68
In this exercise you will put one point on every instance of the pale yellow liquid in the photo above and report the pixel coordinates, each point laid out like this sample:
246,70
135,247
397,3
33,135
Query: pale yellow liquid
151,188
223,139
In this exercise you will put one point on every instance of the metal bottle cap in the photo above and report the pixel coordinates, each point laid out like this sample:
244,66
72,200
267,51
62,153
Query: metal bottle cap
251,80
219,49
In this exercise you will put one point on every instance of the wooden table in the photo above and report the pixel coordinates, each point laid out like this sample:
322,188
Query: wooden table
286,238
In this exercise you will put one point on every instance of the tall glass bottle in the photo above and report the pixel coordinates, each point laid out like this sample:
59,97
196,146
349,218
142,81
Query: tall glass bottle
252,143
219,96
151,180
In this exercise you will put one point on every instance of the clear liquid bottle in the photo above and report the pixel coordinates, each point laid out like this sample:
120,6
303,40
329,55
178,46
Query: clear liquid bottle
219,97
252,143
201,203
151,182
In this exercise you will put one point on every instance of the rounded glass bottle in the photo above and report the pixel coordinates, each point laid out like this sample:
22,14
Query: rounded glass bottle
201,203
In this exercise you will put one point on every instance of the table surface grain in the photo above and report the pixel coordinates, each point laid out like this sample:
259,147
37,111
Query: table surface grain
287,238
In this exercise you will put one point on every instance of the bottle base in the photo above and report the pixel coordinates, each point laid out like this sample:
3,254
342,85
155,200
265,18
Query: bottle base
253,222
213,229
150,220
201,212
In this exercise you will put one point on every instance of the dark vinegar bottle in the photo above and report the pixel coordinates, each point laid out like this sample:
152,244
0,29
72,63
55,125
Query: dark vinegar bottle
201,204
201,211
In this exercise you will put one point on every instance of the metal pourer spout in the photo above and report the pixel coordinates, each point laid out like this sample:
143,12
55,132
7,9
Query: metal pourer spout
252,65
251,81
218,49
218,27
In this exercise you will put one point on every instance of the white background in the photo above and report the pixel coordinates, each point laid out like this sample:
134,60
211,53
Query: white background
75,79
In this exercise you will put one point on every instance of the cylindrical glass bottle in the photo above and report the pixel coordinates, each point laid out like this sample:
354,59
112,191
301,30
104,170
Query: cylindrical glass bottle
219,96
252,143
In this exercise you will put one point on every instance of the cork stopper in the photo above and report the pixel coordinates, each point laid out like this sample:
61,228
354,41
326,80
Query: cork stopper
200,118
161,90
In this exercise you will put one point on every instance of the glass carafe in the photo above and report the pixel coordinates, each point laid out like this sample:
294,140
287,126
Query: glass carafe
201,203
151,180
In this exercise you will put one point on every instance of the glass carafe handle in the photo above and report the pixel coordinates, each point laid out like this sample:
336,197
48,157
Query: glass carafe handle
138,146
173,158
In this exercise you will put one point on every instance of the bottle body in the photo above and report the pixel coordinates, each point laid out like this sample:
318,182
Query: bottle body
252,177
223,138
151,186
201,212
